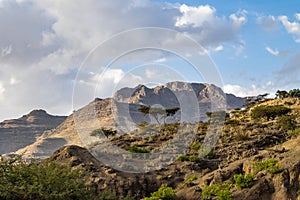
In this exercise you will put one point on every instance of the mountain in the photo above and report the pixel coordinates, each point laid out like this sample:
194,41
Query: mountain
122,113
18,133
252,160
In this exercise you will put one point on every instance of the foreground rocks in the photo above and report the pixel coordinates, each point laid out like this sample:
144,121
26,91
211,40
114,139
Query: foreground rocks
280,185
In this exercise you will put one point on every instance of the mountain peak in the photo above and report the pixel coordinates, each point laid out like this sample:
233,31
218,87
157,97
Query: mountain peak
38,112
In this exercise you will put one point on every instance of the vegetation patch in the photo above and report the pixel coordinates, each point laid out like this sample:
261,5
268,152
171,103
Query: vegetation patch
294,132
29,180
136,149
271,166
221,192
243,181
163,193
191,158
269,112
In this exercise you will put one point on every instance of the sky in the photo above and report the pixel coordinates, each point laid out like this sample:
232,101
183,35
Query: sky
57,55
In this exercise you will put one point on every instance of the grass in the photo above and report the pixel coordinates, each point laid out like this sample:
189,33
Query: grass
196,146
192,178
294,132
163,193
222,192
271,166
243,181
136,149
191,158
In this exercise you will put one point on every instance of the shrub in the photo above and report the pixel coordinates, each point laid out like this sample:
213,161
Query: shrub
243,181
192,178
287,122
222,192
196,146
191,158
106,131
269,112
294,132
31,180
136,149
163,193
271,166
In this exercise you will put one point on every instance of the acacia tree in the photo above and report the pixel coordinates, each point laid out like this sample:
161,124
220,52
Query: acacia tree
281,94
158,113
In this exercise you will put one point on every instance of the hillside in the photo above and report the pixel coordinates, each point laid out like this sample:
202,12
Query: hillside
254,159
121,113
18,133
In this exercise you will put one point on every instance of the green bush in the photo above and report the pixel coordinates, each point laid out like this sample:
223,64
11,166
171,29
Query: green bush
243,181
196,146
271,166
31,180
269,112
294,132
163,193
287,122
222,192
191,158
192,178
136,149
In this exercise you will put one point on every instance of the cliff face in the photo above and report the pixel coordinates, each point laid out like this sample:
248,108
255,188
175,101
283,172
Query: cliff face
122,112
18,133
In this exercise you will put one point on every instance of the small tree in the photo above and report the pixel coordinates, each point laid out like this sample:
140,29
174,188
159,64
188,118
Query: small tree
158,113
281,94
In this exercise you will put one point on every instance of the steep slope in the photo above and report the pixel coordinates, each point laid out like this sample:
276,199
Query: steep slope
121,113
264,150
18,133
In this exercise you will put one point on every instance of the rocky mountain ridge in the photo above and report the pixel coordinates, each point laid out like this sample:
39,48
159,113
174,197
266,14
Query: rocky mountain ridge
122,112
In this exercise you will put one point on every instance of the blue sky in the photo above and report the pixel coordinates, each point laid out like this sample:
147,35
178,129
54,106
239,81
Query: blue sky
254,44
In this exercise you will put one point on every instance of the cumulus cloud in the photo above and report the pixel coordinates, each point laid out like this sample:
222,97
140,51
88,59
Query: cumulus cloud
254,90
203,24
268,23
291,27
43,43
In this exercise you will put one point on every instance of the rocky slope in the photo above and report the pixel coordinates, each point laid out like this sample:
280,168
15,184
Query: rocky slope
265,150
18,133
121,113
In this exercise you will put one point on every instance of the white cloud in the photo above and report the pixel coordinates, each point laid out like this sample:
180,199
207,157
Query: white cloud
209,29
271,51
195,16
2,89
254,90
6,50
219,48
268,23
297,16
13,81
44,42
275,52
161,60
238,21
291,27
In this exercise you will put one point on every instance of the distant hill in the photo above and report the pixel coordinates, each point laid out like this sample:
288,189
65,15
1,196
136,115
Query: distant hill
18,133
